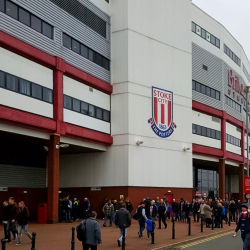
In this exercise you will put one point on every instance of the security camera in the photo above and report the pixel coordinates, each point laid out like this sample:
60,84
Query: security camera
139,142
185,149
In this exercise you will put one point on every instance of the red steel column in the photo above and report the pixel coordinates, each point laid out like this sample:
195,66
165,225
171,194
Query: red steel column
53,178
222,179
241,182
223,134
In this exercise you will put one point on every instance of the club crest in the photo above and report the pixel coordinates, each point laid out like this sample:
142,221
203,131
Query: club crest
162,112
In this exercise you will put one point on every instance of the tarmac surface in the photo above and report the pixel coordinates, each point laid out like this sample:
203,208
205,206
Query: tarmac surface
58,237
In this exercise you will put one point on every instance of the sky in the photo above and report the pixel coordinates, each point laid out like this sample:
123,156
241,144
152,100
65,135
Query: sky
234,15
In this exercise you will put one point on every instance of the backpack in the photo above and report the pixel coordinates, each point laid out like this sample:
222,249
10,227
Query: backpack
80,233
223,211
136,216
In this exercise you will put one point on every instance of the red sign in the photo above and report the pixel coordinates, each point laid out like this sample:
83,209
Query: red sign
198,193
247,185
205,195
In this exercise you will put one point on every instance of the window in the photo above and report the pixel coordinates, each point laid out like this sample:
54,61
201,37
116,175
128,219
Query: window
2,79
208,91
84,108
99,113
198,87
91,110
47,30
25,87
198,130
75,46
98,59
193,85
204,67
67,102
207,132
66,41
203,89
24,16
11,9
12,82
105,63
232,104
217,95
36,91
203,131
198,30
193,27
208,37
217,135
203,33
36,23
217,43
84,51
76,105
212,39
47,95
106,116
91,55
232,55
2,5
213,93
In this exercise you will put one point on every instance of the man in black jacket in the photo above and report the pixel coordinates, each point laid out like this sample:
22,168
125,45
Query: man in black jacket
122,218
175,209
12,217
129,205
22,220
162,211
195,210
5,218
142,218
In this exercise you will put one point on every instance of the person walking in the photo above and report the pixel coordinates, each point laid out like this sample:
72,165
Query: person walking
175,208
244,226
122,219
75,210
12,215
162,211
69,210
208,214
142,218
232,210
65,207
202,212
108,210
86,208
129,205
169,210
5,218
93,232
151,213
22,221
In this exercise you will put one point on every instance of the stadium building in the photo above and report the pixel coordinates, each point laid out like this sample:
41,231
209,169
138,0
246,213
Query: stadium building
119,98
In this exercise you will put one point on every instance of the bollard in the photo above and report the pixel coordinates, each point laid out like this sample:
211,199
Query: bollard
73,239
201,225
236,218
33,242
123,237
153,233
229,221
212,222
189,226
221,223
173,231
3,241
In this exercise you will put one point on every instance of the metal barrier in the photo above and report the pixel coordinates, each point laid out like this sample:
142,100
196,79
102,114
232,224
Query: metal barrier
3,241
189,226
201,225
123,237
73,239
173,230
212,222
33,242
153,233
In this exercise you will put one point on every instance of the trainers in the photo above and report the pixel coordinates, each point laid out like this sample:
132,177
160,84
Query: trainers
18,243
104,225
119,243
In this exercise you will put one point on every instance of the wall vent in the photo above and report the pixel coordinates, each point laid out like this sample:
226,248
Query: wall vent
215,119
204,67
91,89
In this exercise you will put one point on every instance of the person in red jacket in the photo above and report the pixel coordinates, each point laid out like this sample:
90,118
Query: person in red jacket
22,220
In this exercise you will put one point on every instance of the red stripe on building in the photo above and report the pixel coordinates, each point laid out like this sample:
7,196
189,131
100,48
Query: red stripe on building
162,113
156,110
169,112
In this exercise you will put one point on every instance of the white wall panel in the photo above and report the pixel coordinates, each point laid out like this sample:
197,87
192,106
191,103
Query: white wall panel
81,91
25,68
232,130
232,148
205,141
86,121
28,104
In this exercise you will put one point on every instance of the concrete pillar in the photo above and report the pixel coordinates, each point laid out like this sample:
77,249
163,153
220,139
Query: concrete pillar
241,182
222,178
53,178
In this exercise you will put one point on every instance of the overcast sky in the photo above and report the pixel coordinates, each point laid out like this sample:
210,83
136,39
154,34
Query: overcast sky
234,15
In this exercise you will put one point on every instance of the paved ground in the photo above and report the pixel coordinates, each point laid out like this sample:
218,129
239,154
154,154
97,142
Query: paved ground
58,236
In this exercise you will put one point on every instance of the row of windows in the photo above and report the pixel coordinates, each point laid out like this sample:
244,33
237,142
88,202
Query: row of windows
26,18
86,108
84,51
229,52
24,87
232,104
206,35
233,140
246,73
207,132
205,90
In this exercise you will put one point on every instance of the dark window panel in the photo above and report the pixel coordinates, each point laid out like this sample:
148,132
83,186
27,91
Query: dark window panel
213,133
76,46
84,108
76,105
217,43
36,23
193,85
36,91
198,87
198,130
228,51
203,89
91,55
212,93
67,100
204,67
47,30
12,82
212,39
218,135
47,95
2,79
2,5
217,95
106,115
234,58
98,59
25,87
98,113
66,41
11,9
231,54
193,26
208,132
91,110
203,33
84,51
24,16
193,128
225,48
204,131
105,63
208,92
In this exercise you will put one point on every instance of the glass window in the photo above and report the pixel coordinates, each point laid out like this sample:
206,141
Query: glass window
36,23
203,33
106,115
11,9
212,38
76,105
213,93
47,30
76,46
231,54
217,43
212,133
198,129
208,132
24,16
98,113
105,63
193,26
66,41
203,131
11,82
2,79
198,30
232,140
193,85
228,51
84,51
208,92
203,89
225,48
91,55
234,105
234,59
24,87
91,110
218,135
98,59
36,91
198,87
217,95
208,37
193,128
84,108
67,100
239,61
47,95
2,5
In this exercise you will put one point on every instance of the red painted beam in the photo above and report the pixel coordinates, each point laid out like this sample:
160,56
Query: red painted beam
199,107
203,150
235,157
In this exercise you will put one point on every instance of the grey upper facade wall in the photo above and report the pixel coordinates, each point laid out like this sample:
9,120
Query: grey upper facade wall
62,22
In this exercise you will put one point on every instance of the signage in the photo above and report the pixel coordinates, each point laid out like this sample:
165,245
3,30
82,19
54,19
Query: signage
96,188
247,185
198,193
162,113
3,189
205,195
248,196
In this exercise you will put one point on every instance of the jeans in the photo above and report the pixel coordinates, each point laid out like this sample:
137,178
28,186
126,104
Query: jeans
108,218
5,230
121,231
246,241
196,214
91,247
69,214
183,215
11,227
162,218
24,228
141,226
175,215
